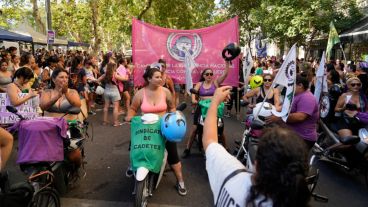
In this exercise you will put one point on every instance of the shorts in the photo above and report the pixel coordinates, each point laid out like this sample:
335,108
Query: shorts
112,94
345,122
177,87
172,153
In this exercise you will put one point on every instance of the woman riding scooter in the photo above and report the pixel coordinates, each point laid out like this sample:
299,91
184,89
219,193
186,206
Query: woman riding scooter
153,98
348,104
206,88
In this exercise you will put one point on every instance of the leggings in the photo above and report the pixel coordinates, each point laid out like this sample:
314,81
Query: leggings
172,151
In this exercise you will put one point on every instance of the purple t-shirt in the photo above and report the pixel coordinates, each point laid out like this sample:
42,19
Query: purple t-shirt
305,102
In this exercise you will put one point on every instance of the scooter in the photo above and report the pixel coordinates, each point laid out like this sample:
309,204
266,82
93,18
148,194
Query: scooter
147,181
220,124
67,173
246,151
346,152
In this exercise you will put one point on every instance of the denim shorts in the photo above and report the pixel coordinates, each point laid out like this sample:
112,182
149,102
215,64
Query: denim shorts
111,93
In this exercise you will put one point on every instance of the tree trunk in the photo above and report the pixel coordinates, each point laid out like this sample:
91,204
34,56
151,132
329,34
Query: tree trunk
39,24
309,43
97,39
148,6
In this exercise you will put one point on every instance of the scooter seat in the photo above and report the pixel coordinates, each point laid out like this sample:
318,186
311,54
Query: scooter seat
349,140
257,124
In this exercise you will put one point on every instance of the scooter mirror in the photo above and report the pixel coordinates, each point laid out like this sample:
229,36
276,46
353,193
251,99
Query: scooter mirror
181,106
12,109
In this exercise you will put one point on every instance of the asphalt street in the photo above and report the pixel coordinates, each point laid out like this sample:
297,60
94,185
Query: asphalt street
106,185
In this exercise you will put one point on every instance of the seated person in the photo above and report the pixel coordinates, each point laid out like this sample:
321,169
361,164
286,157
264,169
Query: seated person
6,144
20,85
279,178
347,105
60,99
260,92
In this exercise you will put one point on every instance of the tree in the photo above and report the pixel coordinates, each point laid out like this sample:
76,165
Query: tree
294,21
35,12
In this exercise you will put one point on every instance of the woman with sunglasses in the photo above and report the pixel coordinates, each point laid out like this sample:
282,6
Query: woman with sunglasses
348,105
261,92
206,88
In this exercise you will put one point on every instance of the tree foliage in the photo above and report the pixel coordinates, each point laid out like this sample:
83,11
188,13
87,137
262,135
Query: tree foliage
107,23
292,21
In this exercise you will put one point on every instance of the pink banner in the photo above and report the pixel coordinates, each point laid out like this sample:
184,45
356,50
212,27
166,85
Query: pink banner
205,46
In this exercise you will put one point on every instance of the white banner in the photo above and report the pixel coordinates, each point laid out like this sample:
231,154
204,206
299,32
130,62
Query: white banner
247,66
286,77
321,79
28,109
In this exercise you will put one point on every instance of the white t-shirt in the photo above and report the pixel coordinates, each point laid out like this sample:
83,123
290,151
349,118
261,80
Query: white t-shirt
220,164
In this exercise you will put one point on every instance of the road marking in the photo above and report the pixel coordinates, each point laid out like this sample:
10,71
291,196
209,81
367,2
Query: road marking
74,202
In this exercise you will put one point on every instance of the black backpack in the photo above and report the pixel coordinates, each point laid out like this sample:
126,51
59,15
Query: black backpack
18,195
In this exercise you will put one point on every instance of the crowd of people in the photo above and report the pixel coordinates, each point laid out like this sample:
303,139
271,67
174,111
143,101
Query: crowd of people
69,80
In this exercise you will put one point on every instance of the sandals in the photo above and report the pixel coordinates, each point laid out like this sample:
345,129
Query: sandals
118,124
105,123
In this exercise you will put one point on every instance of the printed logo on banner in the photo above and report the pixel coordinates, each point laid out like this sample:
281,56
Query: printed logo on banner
178,44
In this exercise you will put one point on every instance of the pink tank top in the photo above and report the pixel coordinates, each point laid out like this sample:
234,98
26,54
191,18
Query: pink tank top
149,108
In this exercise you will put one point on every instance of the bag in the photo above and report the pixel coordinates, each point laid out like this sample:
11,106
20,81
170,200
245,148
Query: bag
19,195
100,90
147,146
205,105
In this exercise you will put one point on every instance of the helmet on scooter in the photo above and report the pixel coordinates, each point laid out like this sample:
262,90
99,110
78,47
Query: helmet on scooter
256,81
174,126
263,110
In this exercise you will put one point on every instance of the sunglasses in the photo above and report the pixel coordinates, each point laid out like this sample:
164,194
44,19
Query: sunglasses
208,74
355,84
267,80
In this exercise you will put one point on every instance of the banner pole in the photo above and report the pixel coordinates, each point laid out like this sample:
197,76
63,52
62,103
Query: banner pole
343,53
237,103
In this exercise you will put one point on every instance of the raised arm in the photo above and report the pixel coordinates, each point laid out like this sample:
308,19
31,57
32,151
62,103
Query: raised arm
210,124
221,79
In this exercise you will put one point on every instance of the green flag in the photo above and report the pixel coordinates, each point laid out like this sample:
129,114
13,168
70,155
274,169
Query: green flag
333,38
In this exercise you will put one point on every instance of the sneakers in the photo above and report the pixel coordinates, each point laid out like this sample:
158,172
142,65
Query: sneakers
186,153
181,189
227,115
129,172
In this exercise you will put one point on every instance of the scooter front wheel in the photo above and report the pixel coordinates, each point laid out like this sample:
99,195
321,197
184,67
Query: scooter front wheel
142,193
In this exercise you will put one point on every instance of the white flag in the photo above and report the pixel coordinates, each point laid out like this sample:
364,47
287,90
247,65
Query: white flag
247,66
321,81
286,77
189,66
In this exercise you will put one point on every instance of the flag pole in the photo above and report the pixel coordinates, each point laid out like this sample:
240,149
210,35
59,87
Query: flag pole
343,53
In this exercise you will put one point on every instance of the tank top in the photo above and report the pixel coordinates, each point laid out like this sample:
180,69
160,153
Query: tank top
207,92
149,108
362,103
262,96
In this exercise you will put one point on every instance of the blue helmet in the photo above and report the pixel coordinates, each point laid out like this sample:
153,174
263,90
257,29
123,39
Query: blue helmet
174,126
